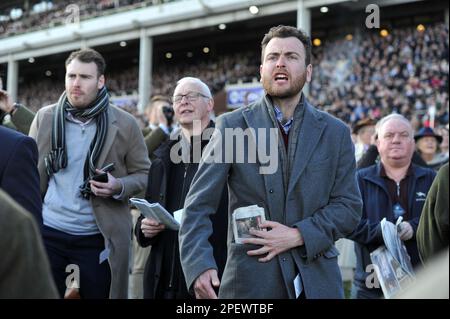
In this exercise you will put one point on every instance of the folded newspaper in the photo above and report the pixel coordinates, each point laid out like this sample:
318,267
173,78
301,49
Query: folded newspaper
244,219
157,212
392,261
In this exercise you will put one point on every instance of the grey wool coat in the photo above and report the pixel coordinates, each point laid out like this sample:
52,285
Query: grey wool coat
124,146
313,188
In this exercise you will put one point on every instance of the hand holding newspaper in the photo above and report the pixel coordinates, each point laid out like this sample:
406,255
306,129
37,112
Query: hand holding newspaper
156,212
392,262
246,218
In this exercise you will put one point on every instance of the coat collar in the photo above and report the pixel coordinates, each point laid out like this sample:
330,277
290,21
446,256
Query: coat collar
374,174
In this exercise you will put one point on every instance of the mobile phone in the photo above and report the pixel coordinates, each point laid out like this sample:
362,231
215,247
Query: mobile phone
108,168
102,178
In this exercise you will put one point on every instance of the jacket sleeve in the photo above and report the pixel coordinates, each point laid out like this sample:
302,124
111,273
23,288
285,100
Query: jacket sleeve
202,200
367,232
141,239
22,119
342,213
21,177
154,139
433,229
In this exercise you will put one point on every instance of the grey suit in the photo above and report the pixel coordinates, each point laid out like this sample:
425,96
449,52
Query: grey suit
314,189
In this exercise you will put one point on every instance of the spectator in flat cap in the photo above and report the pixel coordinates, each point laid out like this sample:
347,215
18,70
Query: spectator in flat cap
364,131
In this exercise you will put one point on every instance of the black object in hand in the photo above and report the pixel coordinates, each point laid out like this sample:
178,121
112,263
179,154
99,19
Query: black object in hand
108,168
102,178
168,113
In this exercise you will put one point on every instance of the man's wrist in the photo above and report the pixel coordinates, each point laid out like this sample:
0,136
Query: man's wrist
298,238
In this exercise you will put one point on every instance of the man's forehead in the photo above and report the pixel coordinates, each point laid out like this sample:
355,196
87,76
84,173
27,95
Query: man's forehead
76,66
186,88
396,126
291,44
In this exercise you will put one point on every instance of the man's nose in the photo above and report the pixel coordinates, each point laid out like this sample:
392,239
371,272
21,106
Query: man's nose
76,81
184,100
396,138
281,62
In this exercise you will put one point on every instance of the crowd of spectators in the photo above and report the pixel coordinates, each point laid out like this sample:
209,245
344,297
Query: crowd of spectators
369,76
216,72
20,19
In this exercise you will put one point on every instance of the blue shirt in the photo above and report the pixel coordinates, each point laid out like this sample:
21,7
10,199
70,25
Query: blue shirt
279,115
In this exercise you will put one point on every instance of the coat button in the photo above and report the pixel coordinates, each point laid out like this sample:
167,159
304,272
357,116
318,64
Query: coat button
161,195
283,259
271,190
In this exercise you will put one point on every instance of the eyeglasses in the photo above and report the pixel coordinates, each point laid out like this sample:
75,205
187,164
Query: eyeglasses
191,97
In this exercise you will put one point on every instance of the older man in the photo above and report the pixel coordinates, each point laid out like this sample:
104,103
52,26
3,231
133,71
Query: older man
171,174
86,217
395,187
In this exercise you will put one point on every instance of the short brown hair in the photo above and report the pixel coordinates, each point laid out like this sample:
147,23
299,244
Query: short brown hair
283,31
160,97
88,56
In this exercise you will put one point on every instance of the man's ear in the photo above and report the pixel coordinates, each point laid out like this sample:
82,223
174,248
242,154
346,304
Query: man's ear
210,105
309,73
101,82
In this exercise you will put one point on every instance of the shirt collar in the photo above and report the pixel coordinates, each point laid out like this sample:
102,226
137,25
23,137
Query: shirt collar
383,174
279,116
73,119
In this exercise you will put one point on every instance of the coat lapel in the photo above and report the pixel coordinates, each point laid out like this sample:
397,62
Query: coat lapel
308,138
110,137
45,145
257,118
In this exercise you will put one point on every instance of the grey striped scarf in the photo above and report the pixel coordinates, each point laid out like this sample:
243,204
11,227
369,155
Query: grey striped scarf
57,158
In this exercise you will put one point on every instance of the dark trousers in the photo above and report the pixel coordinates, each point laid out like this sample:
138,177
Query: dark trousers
67,252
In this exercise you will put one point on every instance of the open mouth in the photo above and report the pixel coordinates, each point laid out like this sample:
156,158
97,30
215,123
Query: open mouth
186,112
281,78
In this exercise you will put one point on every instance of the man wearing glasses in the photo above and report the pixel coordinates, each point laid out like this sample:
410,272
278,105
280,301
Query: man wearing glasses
173,168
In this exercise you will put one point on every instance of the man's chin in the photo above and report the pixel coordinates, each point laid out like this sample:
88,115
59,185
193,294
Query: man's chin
79,104
283,93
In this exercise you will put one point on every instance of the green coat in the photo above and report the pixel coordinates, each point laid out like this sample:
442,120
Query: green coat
24,268
21,120
153,139
432,233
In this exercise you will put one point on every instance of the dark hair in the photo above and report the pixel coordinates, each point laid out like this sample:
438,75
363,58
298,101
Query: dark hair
283,31
88,56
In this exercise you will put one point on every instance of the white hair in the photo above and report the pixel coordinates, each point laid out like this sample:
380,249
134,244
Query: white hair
393,116
203,87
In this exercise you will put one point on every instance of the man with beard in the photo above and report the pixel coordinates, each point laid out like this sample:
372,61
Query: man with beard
87,223
310,199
